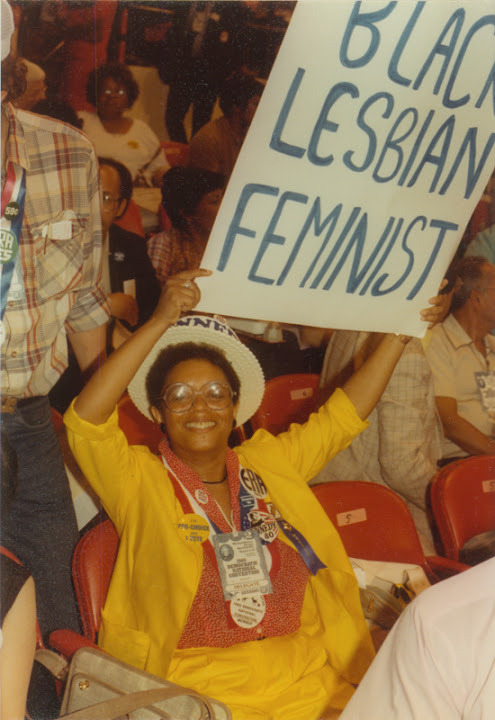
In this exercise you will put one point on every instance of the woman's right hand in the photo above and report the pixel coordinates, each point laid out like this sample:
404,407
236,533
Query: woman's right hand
179,295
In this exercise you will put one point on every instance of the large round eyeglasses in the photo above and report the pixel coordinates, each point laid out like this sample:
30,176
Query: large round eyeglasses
180,397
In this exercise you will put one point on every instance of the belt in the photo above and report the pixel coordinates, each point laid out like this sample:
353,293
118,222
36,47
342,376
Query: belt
8,403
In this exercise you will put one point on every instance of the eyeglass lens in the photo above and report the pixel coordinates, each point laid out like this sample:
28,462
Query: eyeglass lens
180,397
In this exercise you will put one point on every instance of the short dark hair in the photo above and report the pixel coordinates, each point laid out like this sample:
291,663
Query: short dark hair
124,174
183,188
173,355
237,90
118,72
469,270
13,77
58,110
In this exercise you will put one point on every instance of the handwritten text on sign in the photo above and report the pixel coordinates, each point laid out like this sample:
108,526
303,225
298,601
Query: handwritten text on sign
370,148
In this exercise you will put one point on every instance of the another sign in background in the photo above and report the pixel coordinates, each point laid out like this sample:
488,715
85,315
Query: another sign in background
370,148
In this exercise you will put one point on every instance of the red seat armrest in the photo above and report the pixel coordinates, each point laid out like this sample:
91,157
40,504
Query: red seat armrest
66,642
445,567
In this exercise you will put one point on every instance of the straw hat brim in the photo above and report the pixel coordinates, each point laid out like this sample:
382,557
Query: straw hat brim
210,331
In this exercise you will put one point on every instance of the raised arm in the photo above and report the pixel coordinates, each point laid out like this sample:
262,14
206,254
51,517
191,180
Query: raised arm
461,431
366,386
99,397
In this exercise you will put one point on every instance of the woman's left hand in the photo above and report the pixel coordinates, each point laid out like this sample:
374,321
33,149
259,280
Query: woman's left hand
440,307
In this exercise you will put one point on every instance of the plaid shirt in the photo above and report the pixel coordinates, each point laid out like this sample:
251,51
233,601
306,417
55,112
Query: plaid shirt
61,276
173,251
403,442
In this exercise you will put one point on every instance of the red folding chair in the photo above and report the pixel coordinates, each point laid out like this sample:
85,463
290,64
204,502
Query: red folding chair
138,429
177,153
131,220
374,523
92,567
463,501
287,399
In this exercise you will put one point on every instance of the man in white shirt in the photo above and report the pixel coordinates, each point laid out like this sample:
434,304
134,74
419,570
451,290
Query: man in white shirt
462,358
438,662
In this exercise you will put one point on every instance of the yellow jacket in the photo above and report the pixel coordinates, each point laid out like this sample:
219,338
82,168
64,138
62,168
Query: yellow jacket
157,573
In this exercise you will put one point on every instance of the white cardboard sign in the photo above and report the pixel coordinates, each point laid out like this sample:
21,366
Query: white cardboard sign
371,146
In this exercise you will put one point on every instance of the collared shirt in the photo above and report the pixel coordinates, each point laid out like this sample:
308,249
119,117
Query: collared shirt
403,443
173,251
60,262
437,661
454,359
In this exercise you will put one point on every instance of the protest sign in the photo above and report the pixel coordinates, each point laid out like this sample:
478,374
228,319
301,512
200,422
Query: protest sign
371,146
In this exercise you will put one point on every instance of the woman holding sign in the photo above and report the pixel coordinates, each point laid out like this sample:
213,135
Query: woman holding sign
229,579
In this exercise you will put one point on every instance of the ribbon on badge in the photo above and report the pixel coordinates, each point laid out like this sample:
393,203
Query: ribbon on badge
13,197
249,500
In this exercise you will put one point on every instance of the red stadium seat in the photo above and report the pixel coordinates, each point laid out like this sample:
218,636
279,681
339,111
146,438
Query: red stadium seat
374,523
92,566
177,153
463,501
137,428
287,399
131,220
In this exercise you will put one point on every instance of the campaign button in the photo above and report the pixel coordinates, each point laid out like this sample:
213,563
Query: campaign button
253,483
11,211
247,611
193,528
201,496
248,502
8,246
265,525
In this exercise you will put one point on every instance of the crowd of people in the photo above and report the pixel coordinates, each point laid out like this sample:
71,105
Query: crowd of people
261,609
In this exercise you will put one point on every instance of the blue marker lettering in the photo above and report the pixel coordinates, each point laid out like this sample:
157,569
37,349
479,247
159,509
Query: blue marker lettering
443,226
456,19
276,142
446,129
393,72
365,20
235,227
474,171
270,237
347,157
447,99
324,124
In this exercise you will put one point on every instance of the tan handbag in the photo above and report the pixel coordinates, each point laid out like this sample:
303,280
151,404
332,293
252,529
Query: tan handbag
100,687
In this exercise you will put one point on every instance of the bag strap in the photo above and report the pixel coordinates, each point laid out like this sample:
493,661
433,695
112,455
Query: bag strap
114,708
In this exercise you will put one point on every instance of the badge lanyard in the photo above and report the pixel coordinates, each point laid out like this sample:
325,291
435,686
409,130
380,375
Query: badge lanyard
12,208
191,505
252,490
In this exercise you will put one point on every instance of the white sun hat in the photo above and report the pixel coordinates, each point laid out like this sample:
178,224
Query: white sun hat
212,331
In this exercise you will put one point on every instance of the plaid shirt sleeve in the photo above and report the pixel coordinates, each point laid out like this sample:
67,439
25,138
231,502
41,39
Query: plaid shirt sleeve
160,253
90,308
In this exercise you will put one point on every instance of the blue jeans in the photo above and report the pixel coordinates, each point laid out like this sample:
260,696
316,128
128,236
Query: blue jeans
41,528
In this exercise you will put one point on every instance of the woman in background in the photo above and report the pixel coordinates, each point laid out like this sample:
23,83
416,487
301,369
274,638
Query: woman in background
112,90
191,198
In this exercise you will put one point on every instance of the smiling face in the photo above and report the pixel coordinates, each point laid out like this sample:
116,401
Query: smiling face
200,430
